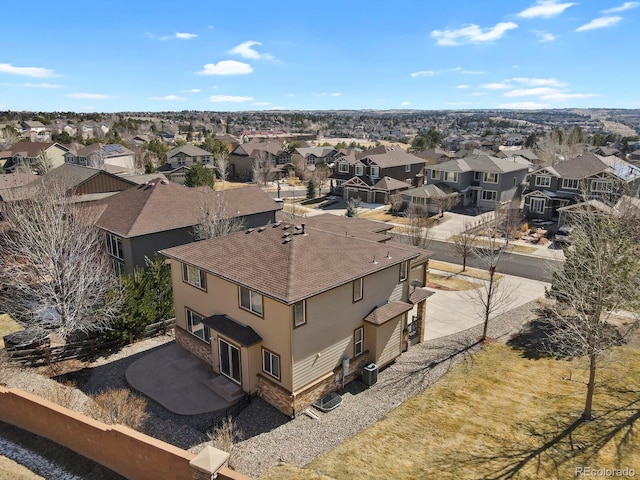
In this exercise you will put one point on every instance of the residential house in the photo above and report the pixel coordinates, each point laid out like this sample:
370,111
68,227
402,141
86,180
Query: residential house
271,311
35,131
180,159
483,181
244,156
430,198
29,155
142,220
98,155
376,174
584,177
313,155
166,137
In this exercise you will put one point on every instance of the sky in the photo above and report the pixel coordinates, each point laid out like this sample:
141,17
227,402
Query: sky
142,55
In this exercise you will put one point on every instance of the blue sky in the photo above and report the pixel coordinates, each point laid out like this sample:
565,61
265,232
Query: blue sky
110,56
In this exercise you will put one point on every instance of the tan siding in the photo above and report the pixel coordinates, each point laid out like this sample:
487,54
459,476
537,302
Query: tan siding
396,294
312,367
389,337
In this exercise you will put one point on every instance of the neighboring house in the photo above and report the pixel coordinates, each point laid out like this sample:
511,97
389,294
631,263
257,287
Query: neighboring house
142,220
313,155
180,159
292,312
35,131
26,154
521,152
376,174
480,180
584,177
434,156
243,157
166,137
98,155
430,198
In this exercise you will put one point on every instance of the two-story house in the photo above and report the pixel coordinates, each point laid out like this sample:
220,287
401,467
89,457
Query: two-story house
244,156
483,181
376,174
31,154
585,177
180,159
98,155
270,311
142,220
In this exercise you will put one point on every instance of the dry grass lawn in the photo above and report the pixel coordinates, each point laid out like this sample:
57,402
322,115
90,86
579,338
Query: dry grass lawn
450,282
7,325
457,270
10,470
500,415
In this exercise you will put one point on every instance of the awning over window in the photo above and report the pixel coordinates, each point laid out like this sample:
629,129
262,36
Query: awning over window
242,334
386,312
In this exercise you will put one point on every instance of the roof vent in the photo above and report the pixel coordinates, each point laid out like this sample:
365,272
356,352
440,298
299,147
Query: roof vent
277,224
375,262
286,240
249,230
164,182
286,226
262,229
388,255
297,227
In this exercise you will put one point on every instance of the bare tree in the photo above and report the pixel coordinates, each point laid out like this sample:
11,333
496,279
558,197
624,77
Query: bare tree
261,168
224,436
396,202
352,207
599,276
42,163
464,242
508,219
444,201
215,218
416,232
221,162
320,176
54,265
557,146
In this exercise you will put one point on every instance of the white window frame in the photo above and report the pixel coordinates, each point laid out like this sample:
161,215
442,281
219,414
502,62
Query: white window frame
271,363
539,181
596,186
115,246
490,177
375,171
358,341
407,168
117,266
408,181
196,327
404,271
539,203
434,175
494,196
343,167
447,176
359,170
570,183
357,288
194,276
299,313
255,302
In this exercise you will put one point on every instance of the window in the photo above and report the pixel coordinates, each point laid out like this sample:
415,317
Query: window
194,276
358,341
196,327
543,181
375,172
407,168
300,313
515,181
570,183
357,290
403,271
408,181
451,177
476,176
601,186
343,167
359,169
311,160
537,205
250,300
117,266
490,177
114,246
435,175
271,363
489,195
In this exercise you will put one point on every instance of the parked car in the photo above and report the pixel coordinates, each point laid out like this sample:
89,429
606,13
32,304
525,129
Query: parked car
563,235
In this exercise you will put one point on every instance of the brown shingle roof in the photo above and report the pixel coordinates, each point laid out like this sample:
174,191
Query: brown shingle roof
386,312
160,206
285,264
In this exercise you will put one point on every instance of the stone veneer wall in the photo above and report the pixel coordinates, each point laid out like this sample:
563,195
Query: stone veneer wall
192,343
293,405
421,320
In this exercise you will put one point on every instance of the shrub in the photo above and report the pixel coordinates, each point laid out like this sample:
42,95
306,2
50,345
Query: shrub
119,406
224,436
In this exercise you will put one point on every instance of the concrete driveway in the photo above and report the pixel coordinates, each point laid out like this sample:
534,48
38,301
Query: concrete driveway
452,312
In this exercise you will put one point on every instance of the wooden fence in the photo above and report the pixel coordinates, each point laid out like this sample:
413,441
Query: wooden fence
46,355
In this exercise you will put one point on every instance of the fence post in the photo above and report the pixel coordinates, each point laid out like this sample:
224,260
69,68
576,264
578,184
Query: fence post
47,355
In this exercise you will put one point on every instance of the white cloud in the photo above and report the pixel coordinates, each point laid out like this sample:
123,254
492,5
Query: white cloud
524,105
463,86
601,22
472,33
539,82
335,94
405,104
168,98
226,67
90,96
229,99
544,37
424,73
495,86
192,90
478,94
262,104
625,6
245,50
561,97
529,92
36,72
185,36
545,9
325,94
41,85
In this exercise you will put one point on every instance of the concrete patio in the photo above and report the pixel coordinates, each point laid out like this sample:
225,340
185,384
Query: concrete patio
181,382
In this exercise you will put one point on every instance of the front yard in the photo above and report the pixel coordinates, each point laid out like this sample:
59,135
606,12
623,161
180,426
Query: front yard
497,415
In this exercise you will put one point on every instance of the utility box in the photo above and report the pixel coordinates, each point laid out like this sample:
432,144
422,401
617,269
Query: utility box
370,374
